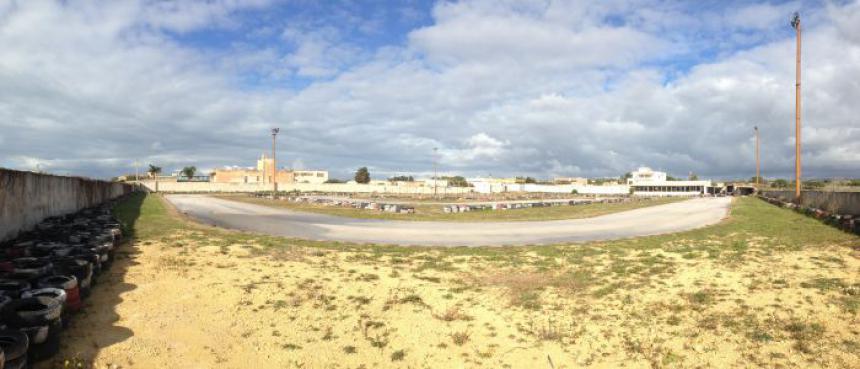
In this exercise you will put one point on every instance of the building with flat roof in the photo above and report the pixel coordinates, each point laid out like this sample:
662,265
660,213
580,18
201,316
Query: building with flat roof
647,182
265,173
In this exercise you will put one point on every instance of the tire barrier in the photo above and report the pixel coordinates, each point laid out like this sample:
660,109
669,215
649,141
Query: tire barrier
448,208
462,208
45,275
350,203
845,222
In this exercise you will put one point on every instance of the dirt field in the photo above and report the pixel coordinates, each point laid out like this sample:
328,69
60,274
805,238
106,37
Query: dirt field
767,288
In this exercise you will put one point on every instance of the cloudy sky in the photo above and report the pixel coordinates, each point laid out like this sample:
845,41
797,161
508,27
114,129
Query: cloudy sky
541,88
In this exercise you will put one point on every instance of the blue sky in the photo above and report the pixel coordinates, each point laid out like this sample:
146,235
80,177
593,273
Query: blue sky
542,88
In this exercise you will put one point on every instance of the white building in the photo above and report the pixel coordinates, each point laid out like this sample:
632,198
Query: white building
645,174
647,182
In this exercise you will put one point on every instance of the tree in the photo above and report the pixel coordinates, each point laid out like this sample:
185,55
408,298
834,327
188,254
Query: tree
813,184
154,171
362,175
670,178
188,172
625,177
574,192
457,181
780,183
694,177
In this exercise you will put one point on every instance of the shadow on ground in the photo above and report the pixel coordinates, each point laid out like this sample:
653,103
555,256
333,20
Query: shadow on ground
97,326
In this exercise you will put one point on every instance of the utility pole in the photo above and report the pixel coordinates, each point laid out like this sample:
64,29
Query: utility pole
757,161
274,164
435,176
795,23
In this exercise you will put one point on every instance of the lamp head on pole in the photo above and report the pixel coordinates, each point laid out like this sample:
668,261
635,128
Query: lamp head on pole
275,131
795,20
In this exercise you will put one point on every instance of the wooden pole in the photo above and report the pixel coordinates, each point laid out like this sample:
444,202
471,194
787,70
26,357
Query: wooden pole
797,126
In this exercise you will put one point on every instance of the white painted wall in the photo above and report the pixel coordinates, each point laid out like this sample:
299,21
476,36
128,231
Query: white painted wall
302,187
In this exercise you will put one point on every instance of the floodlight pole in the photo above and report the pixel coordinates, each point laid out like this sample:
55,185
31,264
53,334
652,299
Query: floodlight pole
757,161
795,22
274,164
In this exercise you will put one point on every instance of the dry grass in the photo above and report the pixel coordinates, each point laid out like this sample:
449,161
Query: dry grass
769,288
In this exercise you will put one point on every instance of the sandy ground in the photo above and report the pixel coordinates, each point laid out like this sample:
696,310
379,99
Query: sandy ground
197,301
668,218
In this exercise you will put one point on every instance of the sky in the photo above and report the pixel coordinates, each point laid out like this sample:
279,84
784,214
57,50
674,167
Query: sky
531,87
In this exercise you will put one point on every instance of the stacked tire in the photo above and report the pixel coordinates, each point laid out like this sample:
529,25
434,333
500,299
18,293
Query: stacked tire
45,277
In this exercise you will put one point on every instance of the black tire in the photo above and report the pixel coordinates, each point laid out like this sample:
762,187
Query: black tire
37,334
48,348
19,363
78,266
13,287
50,292
65,282
32,265
3,301
14,344
32,311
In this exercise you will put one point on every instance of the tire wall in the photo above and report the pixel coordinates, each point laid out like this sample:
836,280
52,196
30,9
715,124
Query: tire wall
844,203
27,198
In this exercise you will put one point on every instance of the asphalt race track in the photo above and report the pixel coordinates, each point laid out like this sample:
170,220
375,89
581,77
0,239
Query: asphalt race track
652,220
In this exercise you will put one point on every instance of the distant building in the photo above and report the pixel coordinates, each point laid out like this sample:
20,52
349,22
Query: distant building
645,174
647,182
579,181
265,173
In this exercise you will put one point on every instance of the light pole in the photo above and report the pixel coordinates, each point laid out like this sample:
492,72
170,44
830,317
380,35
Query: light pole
435,176
274,164
795,23
757,161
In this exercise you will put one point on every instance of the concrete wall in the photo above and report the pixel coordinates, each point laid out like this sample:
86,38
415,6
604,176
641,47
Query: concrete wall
385,187
27,198
303,187
844,203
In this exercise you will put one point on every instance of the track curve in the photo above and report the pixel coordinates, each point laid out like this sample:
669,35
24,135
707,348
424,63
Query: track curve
652,220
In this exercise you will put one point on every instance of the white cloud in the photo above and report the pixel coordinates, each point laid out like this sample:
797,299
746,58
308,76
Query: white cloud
846,19
319,52
490,34
520,88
